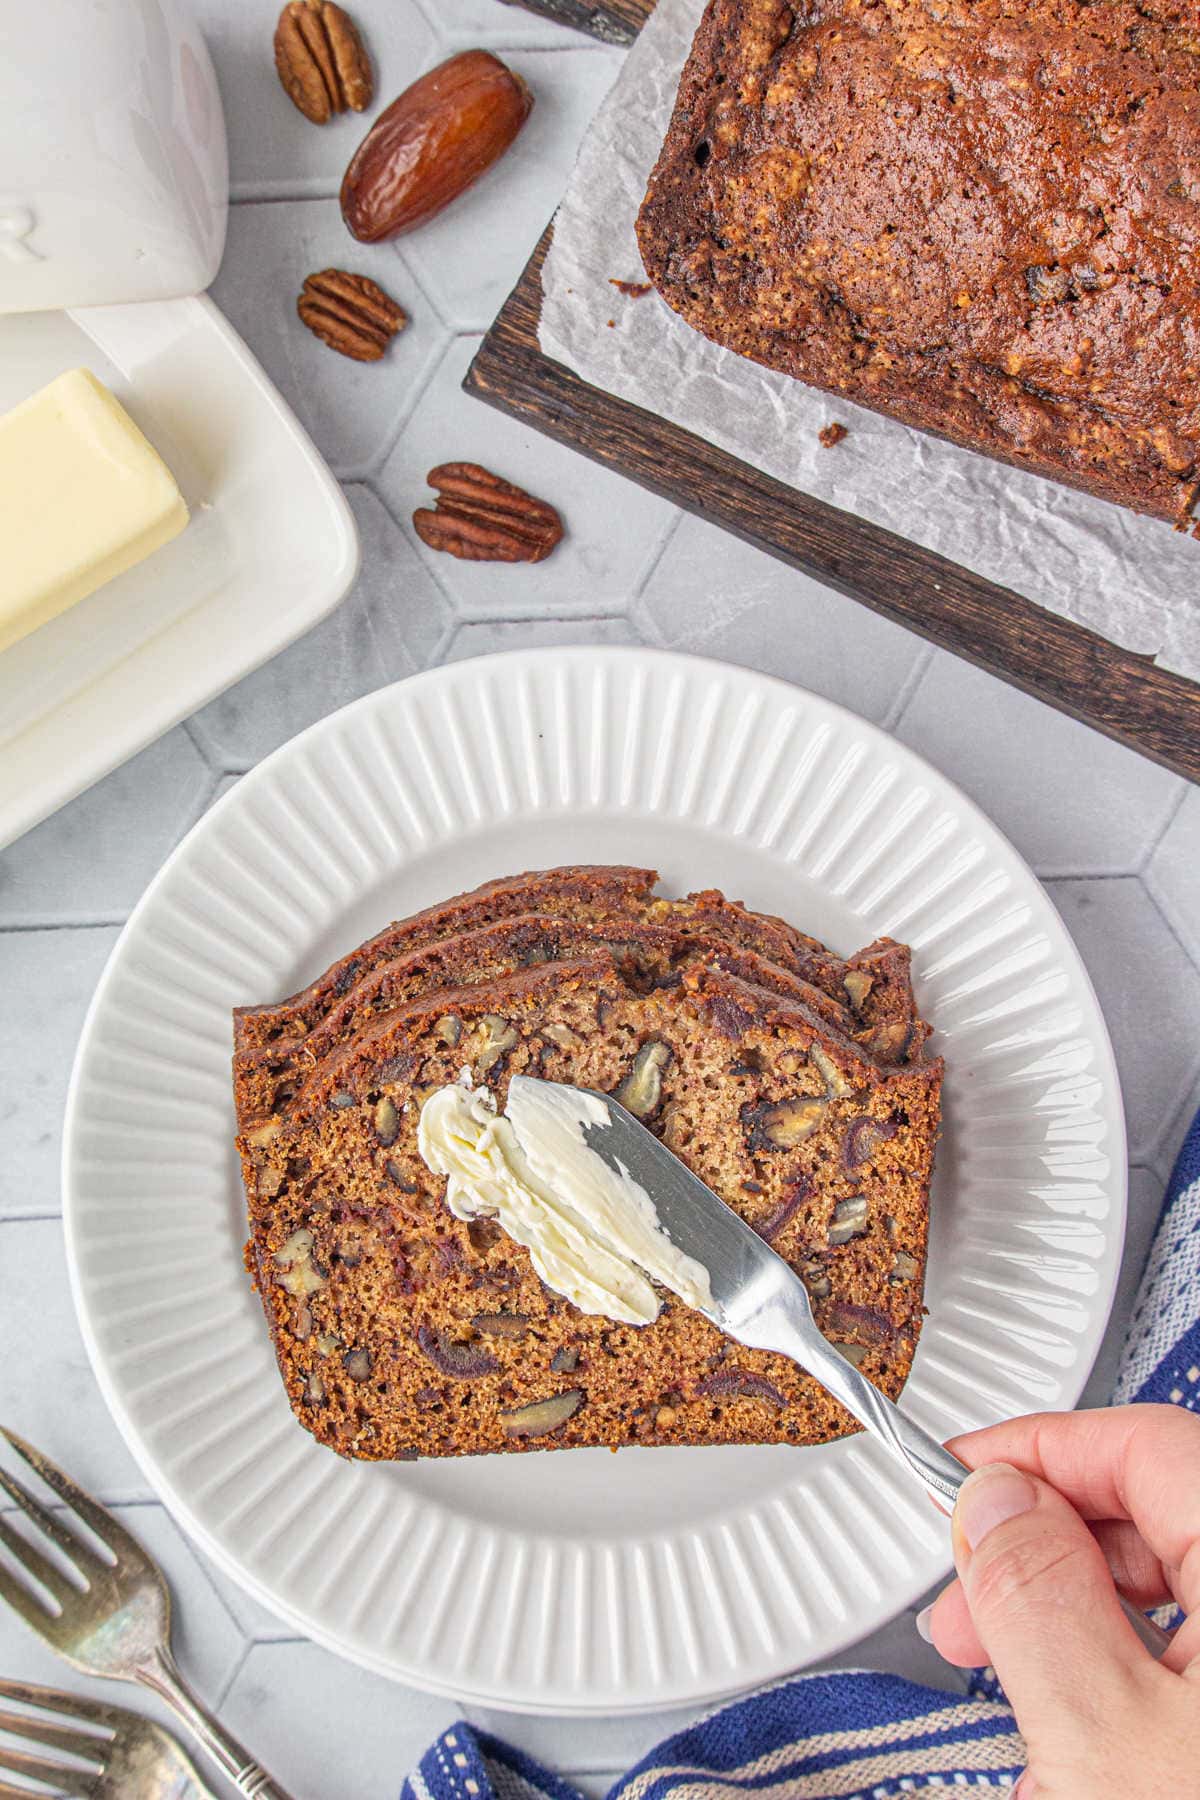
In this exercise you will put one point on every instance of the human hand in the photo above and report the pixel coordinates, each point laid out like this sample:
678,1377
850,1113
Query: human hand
1035,1594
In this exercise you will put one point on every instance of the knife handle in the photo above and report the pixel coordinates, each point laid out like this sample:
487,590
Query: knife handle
928,1459
789,1327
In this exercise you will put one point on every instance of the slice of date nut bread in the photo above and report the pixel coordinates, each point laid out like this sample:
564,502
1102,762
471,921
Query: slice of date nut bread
584,894
580,892
402,1331
873,987
266,1082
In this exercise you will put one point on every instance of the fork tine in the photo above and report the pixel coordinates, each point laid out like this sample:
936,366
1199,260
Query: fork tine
56,1700
27,1605
72,1547
123,1545
84,1744
79,1783
35,1564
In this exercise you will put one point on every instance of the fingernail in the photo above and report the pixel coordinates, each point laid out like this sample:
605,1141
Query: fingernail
922,1622
989,1497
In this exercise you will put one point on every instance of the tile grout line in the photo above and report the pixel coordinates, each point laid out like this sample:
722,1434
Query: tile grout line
642,621
1185,1105
1168,1140
541,618
227,1686
113,922
206,1572
11,1510
292,197
442,647
204,803
654,561
375,464
1069,874
908,689
1147,886
1173,812
196,740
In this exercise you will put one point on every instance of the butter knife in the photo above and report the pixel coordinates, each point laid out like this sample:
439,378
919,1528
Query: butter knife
760,1300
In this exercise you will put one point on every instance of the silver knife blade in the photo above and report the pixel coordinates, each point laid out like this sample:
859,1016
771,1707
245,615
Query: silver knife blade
757,1297
760,1300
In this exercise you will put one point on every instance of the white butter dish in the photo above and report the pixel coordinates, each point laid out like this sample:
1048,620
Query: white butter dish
114,174
113,210
270,550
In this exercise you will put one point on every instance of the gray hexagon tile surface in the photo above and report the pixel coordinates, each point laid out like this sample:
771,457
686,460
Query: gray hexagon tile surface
389,627
1118,839
1010,753
320,1724
613,529
1150,993
710,594
497,25
273,149
47,979
48,1392
486,637
92,860
470,257
354,411
1173,875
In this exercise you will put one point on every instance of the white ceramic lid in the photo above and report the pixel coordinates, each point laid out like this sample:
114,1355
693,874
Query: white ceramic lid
114,180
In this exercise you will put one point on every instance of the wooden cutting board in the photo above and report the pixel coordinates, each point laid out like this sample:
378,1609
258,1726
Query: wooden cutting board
613,21
1069,667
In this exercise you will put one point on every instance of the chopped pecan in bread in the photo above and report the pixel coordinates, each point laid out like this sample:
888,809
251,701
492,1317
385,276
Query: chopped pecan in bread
402,1330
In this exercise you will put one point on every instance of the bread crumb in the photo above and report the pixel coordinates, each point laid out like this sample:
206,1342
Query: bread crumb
832,434
634,290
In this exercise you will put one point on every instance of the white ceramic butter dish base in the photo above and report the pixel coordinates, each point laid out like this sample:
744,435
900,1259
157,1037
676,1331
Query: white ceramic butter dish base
270,550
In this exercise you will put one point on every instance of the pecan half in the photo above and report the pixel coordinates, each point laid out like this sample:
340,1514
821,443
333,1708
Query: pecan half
321,61
350,313
481,518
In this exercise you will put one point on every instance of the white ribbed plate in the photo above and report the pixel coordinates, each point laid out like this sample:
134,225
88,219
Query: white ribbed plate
583,1581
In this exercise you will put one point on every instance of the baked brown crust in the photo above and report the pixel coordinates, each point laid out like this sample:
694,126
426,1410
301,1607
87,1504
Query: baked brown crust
265,1081
978,216
270,1041
582,891
400,1330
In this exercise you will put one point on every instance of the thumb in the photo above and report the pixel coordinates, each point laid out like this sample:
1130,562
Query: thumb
1044,1605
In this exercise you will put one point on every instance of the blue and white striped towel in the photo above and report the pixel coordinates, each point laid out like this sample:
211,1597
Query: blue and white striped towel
863,1736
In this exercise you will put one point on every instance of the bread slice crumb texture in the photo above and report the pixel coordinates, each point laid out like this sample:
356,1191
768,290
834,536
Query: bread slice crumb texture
402,1331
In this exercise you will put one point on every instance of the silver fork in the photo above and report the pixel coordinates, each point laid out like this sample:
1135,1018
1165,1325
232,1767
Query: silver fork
118,1623
130,1758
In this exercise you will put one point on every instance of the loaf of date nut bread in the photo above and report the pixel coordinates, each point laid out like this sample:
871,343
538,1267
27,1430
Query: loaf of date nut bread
975,215
401,1330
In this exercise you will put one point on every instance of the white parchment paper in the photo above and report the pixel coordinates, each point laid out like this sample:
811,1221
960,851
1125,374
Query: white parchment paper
1136,580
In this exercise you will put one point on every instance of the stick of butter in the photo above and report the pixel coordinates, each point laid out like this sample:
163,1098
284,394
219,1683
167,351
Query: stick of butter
82,498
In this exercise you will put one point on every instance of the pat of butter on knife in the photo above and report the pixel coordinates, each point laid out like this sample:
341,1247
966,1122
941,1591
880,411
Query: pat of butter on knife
83,497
